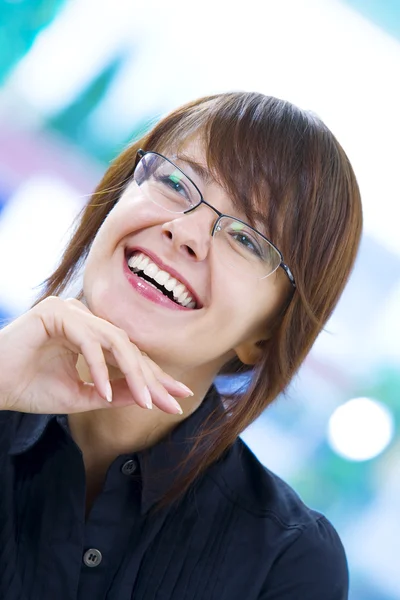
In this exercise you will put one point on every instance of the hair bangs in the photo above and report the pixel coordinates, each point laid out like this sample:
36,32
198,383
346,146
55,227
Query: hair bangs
243,171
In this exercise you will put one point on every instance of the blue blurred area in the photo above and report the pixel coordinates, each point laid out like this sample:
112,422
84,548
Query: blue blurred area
385,14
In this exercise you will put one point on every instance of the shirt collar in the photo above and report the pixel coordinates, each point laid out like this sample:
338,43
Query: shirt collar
30,428
157,463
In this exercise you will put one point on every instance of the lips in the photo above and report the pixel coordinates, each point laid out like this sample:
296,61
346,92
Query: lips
129,252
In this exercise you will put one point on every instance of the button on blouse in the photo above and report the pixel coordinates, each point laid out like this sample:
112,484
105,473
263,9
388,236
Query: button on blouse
92,557
129,467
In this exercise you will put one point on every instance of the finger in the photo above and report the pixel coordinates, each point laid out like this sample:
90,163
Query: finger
138,376
160,395
127,360
78,304
173,386
94,357
89,334
88,398
81,340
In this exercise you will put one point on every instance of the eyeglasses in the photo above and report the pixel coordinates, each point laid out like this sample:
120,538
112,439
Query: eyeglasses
238,244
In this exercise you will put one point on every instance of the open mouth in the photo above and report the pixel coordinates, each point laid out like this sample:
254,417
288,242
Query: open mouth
172,288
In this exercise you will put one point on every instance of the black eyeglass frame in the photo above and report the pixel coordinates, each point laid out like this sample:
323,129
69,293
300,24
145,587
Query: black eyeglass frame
141,153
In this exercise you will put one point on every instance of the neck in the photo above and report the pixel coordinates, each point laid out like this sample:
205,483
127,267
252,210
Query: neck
102,435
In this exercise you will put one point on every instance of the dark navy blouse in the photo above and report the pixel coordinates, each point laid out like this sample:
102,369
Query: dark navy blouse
241,533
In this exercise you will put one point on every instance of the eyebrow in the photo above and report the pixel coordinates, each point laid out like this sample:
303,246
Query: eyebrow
201,171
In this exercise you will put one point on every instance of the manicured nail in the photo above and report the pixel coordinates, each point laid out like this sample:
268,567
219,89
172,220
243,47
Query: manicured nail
147,398
185,388
108,392
175,404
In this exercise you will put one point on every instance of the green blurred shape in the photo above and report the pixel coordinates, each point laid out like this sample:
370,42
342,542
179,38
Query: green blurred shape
73,121
20,23
384,386
334,485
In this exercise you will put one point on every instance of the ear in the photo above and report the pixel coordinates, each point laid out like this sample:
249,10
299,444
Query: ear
250,351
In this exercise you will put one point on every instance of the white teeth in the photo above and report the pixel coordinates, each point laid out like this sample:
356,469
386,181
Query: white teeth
141,262
170,284
178,290
161,277
151,269
183,297
187,301
134,260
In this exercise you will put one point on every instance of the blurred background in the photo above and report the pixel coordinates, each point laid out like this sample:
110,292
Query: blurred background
80,78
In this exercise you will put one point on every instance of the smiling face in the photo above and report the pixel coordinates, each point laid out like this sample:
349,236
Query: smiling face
213,311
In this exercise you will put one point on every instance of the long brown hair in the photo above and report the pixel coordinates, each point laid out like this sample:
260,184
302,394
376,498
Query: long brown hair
271,155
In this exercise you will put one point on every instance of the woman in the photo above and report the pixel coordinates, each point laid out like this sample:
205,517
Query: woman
218,243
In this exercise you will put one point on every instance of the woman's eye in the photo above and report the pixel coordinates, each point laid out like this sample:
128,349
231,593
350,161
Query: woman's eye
174,184
246,241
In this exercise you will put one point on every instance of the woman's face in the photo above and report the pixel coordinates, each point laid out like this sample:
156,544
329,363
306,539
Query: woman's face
233,308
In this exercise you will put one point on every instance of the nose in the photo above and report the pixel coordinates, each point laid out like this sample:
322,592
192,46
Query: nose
191,233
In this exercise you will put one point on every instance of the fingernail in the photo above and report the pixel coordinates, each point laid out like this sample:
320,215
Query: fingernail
185,388
175,404
147,398
108,392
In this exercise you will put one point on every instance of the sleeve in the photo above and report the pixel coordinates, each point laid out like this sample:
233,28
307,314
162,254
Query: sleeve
314,567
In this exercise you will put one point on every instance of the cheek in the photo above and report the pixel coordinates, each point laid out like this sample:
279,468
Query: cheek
234,306
132,214
94,287
244,307
96,258
96,274
128,216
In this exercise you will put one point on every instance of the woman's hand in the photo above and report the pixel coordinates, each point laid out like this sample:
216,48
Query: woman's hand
38,356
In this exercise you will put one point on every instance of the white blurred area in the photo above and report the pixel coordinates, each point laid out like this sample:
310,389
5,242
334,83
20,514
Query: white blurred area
319,54
373,423
33,222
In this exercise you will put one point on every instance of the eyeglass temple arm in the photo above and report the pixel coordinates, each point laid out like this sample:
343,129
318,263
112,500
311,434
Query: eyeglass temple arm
288,273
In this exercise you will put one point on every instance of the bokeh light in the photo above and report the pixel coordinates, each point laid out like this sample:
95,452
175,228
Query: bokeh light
360,429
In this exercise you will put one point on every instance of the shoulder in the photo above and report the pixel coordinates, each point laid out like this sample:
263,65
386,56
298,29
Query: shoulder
312,567
309,560
259,491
